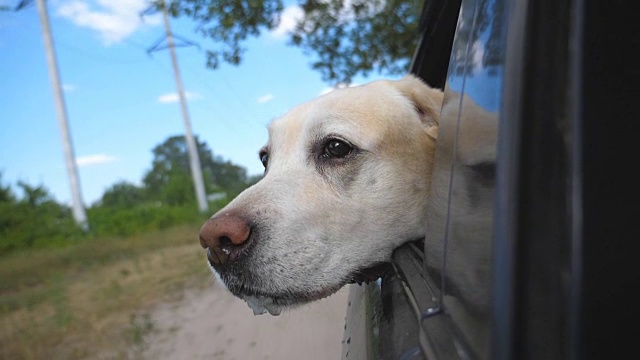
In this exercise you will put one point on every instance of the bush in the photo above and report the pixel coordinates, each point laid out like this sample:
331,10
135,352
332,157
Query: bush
139,218
46,225
36,220
165,199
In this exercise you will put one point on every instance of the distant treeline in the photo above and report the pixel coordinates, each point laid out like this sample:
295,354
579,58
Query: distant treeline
165,198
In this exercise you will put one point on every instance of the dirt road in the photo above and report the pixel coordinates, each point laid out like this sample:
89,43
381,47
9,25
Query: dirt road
212,324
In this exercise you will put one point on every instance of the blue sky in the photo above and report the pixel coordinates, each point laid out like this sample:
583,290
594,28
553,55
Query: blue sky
122,102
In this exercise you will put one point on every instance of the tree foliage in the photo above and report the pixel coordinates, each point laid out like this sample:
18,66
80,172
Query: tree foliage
169,179
227,23
344,37
170,164
349,37
35,195
123,195
6,195
32,218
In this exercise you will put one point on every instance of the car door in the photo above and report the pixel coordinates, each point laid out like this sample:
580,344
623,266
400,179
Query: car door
531,218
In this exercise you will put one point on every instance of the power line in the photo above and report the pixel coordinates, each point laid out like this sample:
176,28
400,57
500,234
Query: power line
194,159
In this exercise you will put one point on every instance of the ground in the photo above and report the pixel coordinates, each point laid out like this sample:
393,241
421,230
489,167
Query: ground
212,324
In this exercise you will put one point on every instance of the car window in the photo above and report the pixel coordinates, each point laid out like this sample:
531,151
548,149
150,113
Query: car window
458,246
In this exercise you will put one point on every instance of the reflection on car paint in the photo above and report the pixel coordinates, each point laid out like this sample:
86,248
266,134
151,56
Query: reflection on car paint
458,246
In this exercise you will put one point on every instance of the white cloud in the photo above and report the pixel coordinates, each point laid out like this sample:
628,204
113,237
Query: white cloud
114,20
69,87
293,14
478,55
326,90
173,97
339,86
265,98
288,20
95,159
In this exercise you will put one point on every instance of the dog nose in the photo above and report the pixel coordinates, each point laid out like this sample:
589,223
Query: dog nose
223,235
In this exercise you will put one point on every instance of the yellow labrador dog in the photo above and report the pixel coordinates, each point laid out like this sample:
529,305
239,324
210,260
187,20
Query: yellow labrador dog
347,179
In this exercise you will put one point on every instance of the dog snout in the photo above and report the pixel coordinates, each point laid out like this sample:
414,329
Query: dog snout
223,235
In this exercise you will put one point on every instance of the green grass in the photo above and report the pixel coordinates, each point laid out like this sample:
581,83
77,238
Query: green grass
90,298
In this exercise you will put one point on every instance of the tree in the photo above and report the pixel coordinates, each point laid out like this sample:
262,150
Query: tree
36,219
227,176
170,167
35,195
169,179
123,195
346,37
359,36
6,195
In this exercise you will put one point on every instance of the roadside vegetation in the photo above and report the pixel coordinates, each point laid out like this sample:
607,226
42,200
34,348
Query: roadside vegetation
31,217
91,299
70,294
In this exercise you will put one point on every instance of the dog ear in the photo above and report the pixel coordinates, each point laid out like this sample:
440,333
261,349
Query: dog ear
426,100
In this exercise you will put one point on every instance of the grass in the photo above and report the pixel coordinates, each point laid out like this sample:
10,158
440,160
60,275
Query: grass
90,300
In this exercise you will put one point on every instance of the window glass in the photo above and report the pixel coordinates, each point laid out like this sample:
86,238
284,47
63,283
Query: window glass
458,244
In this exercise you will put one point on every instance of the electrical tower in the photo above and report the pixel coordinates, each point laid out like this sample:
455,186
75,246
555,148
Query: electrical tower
194,159
78,210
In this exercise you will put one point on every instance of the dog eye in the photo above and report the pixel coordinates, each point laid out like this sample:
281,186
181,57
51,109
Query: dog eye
264,158
337,149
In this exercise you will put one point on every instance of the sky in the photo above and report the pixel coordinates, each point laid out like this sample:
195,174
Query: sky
121,102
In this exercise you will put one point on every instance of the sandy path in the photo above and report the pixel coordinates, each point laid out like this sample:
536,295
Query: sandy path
212,324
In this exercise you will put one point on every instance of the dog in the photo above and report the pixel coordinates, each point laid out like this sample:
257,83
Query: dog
347,179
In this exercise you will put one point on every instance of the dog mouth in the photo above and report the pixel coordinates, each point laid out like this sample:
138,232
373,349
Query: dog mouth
264,302
370,274
234,268
261,304
273,303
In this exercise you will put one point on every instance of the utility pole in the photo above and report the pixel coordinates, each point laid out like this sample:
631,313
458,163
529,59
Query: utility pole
194,159
79,213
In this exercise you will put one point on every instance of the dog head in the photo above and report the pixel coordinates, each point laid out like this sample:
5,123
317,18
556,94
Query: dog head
346,182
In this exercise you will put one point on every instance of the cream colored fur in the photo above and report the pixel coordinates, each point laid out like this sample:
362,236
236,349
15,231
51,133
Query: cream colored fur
317,223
